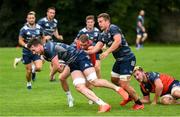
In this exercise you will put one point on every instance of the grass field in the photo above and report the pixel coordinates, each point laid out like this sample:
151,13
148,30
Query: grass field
47,98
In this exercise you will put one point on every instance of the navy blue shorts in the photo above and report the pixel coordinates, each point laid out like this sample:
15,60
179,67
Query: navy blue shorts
81,63
124,67
28,57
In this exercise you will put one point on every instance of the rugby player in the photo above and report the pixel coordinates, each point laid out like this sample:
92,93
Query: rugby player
123,67
80,67
163,85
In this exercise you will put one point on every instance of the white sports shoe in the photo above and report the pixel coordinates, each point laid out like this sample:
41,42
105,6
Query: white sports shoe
16,61
70,101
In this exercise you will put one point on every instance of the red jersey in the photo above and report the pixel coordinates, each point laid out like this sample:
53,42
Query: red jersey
149,86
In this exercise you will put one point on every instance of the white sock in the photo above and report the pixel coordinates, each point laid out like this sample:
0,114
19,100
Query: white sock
100,102
28,83
117,88
33,68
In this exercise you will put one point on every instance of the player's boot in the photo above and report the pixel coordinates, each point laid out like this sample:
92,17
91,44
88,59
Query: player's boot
29,85
104,108
124,102
70,101
16,61
137,107
123,93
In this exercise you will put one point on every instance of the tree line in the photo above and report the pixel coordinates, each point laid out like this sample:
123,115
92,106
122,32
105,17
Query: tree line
71,15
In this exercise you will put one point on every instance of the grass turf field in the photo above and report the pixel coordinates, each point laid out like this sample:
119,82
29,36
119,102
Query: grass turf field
47,98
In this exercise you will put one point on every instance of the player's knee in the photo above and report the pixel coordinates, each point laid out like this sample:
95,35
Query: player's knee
92,77
78,82
38,69
80,87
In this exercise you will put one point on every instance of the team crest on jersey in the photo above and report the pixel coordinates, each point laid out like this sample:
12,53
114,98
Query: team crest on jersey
28,33
47,24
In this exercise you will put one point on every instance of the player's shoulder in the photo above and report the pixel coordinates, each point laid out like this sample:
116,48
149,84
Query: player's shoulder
83,30
96,29
25,27
44,19
113,27
55,20
153,75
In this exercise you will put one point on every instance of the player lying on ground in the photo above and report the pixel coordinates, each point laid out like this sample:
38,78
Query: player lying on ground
163,85
80,67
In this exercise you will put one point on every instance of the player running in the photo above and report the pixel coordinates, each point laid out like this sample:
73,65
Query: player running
163,85
125,59
80,67
30,31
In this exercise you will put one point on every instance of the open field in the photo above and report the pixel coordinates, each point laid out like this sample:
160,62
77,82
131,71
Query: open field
47,98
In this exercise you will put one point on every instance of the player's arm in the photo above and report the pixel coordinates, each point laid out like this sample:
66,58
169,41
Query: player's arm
114,46
146,99
56,34
96,48
141,26
158,90
21,41
56,66
146,95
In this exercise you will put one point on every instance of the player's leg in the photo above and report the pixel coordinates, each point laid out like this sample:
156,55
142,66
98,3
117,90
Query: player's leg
144,37
138,40
16,61
79,83
63,80
92,78
36,66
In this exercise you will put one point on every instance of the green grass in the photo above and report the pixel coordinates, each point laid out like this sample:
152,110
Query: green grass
47,98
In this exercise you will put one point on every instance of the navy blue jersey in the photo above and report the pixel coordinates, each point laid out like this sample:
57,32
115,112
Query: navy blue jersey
121,53
93,35
48,26
141,20
65,52
29,33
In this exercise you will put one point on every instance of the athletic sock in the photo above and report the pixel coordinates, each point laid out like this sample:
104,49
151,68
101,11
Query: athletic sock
100,102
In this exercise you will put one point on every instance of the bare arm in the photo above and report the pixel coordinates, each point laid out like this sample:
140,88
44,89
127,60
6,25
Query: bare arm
56,34
21,42
158,90
96,48
141,26
114,46
56,66
146,99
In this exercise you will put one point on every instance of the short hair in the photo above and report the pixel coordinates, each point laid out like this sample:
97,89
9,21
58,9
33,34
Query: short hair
105,16
34,42
83,38
31,13
139,68
53,8
90,17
